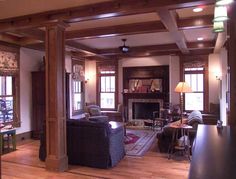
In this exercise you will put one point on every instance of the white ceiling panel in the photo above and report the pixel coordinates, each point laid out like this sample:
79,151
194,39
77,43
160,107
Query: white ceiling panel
188,12
132,40
193,34
114,21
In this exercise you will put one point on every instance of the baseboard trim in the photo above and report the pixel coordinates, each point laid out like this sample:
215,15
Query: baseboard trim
23,136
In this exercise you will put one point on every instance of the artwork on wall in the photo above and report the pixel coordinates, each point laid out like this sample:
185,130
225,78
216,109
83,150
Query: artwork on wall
8,62
78,72
145,85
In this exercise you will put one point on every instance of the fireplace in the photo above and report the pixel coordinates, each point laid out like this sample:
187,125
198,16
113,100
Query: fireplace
143,110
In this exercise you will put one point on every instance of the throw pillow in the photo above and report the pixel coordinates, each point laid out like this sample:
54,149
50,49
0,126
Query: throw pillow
195,116
99,118
95,112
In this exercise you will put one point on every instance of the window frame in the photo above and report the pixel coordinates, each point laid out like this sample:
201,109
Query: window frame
99,75
15,84
191,72
197,61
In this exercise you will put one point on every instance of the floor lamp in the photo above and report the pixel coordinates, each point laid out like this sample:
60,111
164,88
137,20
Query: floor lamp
182,87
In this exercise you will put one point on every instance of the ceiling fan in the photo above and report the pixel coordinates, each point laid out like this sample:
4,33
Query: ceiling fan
124,48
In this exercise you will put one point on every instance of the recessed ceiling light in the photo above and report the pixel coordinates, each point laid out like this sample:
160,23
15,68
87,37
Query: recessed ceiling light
200,38
198,9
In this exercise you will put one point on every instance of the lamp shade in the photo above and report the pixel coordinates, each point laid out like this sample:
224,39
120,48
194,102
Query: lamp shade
220,14
218,27
183,87
223,2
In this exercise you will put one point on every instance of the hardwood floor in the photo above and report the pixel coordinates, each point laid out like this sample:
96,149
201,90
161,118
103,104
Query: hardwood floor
24,164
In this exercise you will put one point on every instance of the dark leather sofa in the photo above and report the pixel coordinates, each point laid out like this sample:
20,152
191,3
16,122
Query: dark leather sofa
165,136
94,143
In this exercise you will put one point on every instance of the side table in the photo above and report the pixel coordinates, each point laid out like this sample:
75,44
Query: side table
180,131
11,133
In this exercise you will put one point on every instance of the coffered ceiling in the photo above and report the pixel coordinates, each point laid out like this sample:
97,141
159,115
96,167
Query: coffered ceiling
97,27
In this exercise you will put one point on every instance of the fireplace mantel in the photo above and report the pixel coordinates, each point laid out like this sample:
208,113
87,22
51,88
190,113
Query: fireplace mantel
145,73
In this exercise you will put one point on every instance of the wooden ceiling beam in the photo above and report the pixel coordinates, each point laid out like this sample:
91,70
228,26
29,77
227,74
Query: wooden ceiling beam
34,33
138,28
127,29
168,18
36,46
77,47
96,11
9,38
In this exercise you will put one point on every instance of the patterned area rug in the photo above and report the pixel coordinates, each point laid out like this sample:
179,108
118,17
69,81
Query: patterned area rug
137,142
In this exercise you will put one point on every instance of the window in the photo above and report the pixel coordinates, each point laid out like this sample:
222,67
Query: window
107,90
9,87
6,99
77,95
195,78
77,86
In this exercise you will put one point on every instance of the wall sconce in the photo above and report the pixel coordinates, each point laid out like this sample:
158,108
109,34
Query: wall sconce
218,75
86,80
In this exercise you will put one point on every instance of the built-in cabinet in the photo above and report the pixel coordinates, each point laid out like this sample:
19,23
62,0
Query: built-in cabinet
38,103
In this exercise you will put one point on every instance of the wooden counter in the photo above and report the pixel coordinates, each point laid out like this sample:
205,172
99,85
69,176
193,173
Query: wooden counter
214,153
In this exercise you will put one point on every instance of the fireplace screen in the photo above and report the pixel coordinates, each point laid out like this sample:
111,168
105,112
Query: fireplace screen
143,110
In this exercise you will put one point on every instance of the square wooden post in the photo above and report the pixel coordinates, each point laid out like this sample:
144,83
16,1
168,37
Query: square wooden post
56,159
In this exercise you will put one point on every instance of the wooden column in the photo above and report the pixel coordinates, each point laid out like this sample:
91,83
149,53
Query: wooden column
55,98
232,64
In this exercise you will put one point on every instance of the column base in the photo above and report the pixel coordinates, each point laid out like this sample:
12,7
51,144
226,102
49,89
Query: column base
59,165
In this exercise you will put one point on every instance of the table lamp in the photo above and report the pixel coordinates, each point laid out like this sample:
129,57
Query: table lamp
182,87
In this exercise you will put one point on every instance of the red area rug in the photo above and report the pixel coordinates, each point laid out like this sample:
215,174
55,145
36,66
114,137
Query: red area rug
137,142
131,138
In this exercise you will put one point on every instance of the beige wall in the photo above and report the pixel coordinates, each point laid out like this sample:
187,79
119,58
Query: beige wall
172,61
223,104
214,68
174,79
217,88
29,61
90,86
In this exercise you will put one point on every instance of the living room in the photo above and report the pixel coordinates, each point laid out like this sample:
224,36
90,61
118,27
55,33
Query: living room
158,49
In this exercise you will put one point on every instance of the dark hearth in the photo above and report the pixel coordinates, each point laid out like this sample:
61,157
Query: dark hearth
143,110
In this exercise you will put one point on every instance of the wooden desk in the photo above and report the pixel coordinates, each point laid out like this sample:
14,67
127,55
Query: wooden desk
214,153
8,132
